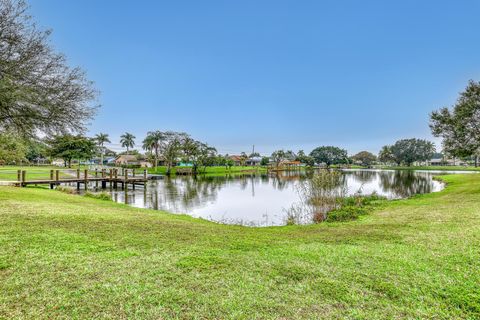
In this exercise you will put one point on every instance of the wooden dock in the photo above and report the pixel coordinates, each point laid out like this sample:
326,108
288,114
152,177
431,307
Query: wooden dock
101,178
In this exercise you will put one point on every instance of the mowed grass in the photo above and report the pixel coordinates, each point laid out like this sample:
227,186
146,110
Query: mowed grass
9,173
66,256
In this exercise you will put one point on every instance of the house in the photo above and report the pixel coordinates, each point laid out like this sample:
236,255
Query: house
237,160
253,161
126,160
443,161
145,164
58,163
132,160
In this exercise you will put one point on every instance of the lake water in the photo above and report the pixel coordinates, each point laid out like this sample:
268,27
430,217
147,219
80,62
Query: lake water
261,199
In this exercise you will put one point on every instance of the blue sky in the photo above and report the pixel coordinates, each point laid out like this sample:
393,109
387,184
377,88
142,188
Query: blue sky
277,74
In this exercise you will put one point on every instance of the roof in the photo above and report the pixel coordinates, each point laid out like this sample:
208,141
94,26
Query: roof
127,157
236,158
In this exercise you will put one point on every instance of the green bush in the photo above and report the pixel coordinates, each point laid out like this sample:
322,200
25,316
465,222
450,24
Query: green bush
346,213
353,207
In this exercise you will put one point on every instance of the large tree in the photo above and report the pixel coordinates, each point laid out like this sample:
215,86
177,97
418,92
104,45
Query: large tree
198,153
152,143
460,127
36,150
38,90
365,158
171,147
408,151
12,149
329,155
278,156
127,140
385,155
305,159
101,139
68,147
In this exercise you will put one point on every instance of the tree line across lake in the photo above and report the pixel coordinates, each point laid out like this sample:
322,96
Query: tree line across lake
41,95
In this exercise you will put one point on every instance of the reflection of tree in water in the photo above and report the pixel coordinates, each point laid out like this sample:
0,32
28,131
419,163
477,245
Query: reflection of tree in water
185,193
362,176
283,179
405,183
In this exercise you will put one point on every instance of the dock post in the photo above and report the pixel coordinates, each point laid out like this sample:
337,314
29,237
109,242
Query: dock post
116,177
96,176
85,177
24,177
125,179
19,175
57,176
111,178
145,174
133,176
78,178
51,179
104,183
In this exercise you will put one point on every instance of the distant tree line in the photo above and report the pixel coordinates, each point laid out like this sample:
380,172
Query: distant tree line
407,151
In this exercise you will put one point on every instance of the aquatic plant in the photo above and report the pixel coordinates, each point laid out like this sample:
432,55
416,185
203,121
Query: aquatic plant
323,198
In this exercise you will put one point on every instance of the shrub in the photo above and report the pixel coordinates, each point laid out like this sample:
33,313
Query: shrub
346,213
351,208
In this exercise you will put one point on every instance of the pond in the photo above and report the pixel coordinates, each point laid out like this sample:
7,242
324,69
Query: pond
262,199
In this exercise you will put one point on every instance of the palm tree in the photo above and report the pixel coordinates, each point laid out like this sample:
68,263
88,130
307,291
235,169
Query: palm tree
127,140
101,139
152,143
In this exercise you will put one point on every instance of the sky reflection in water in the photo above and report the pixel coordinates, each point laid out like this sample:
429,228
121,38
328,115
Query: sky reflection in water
262,199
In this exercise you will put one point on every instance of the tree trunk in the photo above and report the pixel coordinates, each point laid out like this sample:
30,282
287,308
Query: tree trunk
476,161
169,166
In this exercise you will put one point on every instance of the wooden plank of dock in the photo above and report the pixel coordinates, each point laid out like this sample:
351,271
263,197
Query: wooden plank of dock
113,178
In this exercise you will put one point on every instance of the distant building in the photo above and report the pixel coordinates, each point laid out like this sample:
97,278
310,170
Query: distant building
126,160
443,161
253,161
237,160
131,160
58,163
290,163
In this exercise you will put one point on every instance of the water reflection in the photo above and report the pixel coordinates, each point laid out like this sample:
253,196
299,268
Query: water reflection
261,199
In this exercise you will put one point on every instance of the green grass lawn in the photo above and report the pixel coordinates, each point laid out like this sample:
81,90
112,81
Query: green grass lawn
67,256
9,173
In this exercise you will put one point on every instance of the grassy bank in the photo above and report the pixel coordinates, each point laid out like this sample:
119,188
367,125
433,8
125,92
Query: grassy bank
212,170
441,168
74,257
